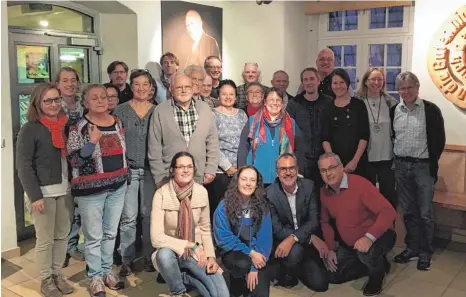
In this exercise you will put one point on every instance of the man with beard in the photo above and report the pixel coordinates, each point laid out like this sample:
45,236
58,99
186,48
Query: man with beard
295,220
118,73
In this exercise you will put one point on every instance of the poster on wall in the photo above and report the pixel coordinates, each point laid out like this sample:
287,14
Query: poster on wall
33,63
191,31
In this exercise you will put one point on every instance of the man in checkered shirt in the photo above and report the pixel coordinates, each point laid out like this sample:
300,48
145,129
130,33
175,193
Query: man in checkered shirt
251,74
183,124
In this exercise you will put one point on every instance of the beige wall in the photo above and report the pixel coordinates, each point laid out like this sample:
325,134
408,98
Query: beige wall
429,15
121,45
8,195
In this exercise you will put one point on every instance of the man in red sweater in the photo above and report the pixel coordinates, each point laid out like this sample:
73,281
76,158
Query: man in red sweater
363,220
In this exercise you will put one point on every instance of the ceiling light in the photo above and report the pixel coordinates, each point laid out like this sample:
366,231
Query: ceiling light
68,58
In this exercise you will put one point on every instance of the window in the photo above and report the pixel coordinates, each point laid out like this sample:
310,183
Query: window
345,57
386,17
343,20
46,16
388,57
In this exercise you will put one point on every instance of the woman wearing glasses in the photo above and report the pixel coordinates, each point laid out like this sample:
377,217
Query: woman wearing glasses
380,146
135,116
230,122
43,172
346,126
97,153
268,134
113,93
181,232
243,233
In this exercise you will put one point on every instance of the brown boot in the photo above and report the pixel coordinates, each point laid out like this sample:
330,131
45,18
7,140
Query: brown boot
49,289
62,284
113,281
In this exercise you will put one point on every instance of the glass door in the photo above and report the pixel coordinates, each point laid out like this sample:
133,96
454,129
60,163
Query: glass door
36,59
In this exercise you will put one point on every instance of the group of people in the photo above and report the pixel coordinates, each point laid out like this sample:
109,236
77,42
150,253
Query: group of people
280,187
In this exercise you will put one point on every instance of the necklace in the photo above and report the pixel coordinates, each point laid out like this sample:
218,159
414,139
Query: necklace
375,126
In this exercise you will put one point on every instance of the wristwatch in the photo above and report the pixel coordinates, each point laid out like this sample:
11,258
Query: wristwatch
194,246
295,238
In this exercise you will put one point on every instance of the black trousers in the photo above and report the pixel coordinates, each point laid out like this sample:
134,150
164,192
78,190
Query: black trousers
239,265
216,190
310,170
352,264
304,262
383,173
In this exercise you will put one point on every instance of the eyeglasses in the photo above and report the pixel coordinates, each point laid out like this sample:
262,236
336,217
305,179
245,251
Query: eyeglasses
50,100
119,72
185,167
406,89
214,67
110,98
325,60
330,170
283,170
181,88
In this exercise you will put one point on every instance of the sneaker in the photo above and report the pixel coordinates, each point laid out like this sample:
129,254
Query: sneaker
62,285
126,270
49,289
97,287
148,266
406,256
374,285
77,256
424,262
113,281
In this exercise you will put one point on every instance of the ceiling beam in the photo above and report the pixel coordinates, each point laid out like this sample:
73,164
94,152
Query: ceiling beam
325,6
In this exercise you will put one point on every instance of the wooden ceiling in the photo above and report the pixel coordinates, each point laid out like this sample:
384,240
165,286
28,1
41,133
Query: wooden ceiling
325,6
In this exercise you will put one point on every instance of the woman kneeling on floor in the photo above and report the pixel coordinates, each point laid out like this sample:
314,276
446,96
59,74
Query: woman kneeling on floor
181,232
243,232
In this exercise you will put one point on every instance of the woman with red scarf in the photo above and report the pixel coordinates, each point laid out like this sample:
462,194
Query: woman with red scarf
268,134
43,172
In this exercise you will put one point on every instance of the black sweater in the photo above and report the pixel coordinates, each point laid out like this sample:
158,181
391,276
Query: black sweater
435,129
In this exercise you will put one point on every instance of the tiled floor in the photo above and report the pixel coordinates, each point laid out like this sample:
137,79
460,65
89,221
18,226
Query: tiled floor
447,278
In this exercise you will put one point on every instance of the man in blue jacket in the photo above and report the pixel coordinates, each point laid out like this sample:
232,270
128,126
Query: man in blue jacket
295,221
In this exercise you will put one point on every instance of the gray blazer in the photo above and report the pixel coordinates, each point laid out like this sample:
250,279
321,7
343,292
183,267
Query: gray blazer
165,140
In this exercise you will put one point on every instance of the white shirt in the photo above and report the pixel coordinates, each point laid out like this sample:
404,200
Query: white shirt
60,189
292,201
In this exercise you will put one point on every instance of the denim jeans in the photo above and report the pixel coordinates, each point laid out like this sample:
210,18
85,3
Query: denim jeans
180,273
352,264
100,215
73,236
142,185
415,189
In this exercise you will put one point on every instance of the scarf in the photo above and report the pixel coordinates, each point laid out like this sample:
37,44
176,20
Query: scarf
166,85
185,228
57,129
258,134
251,110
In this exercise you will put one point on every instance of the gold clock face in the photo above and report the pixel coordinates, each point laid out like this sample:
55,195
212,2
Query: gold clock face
446,59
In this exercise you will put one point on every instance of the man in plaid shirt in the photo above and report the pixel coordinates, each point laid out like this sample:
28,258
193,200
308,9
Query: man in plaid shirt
251,74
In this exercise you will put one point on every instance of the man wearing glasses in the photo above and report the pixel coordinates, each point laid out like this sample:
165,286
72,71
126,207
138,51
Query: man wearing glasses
251,74
118,73
355,211
183,124
255,95
295,220
213,67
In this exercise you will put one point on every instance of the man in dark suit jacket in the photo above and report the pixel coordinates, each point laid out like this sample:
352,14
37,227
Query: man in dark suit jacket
295,219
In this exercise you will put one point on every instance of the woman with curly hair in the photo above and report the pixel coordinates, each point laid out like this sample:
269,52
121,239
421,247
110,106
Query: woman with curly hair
243,232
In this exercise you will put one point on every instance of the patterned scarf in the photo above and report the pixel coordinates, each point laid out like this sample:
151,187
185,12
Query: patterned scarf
185,228
258,134
57,129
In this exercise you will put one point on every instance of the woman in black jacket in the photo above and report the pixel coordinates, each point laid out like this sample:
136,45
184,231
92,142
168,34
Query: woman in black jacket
43,172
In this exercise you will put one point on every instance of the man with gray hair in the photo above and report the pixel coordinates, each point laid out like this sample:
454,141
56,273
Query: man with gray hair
354,209
251,74
197,75
295,218
173,127
281,81
419,139
213,67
